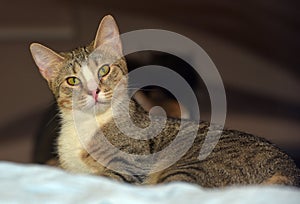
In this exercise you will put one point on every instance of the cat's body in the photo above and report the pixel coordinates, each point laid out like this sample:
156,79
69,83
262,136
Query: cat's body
238,158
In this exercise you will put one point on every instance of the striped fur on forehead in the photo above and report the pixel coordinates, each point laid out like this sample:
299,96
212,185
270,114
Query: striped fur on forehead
76,58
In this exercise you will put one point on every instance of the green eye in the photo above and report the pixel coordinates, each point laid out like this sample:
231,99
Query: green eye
73,81
103,70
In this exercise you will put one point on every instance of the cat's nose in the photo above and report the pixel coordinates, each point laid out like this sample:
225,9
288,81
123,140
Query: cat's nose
95,93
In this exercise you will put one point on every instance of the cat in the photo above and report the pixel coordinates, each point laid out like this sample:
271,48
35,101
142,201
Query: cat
237,159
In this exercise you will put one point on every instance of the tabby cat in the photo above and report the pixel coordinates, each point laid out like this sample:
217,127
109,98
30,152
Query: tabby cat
90,74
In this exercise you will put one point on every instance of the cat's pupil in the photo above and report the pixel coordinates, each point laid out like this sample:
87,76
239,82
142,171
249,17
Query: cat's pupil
73,81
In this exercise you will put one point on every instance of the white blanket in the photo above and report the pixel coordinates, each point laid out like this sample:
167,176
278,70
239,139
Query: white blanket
21,183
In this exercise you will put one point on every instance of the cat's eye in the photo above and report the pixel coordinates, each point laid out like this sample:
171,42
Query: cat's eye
103,70
73,81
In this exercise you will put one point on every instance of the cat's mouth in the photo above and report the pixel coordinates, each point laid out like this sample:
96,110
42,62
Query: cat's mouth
102,98
100,103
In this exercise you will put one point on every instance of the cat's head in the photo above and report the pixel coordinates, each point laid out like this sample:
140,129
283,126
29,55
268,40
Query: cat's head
85,78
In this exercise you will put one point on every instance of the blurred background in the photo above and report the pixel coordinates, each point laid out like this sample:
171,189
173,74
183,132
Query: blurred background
254,44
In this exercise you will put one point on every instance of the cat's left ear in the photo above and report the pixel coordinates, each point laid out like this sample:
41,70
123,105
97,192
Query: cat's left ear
46,59
108,33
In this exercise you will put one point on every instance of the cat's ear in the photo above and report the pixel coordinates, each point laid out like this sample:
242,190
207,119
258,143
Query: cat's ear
46,59
108,33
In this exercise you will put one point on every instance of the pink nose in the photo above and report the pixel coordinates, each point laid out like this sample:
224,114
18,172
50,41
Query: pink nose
95,94
93,89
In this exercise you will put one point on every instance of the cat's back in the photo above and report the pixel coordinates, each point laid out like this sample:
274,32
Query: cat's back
231,157
239,158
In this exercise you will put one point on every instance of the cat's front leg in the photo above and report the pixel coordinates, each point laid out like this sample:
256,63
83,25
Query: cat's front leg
170,176
97,169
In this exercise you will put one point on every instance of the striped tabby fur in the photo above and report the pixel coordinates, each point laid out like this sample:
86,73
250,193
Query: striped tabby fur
238,158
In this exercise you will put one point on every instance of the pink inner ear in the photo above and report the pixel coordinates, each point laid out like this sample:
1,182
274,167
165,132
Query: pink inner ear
109,34
47,73
46,59
45,67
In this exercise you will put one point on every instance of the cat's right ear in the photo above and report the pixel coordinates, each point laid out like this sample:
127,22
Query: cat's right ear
46,59
108,33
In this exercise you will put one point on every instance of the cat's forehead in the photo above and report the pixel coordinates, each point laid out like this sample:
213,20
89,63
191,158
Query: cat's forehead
87,56
78,55
102,56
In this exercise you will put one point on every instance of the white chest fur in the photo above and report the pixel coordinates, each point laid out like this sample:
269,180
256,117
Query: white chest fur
77,130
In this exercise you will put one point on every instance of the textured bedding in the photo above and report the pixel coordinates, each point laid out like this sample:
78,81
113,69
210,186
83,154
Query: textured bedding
20,183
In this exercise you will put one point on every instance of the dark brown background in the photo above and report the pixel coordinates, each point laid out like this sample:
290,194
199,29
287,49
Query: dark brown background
254,44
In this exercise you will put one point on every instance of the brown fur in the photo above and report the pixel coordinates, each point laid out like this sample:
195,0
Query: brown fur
278,179
238,158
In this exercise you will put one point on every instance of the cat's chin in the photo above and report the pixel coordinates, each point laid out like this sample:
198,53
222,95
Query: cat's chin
99,107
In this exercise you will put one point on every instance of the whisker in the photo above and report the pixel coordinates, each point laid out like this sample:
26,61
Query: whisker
56,114
52,119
